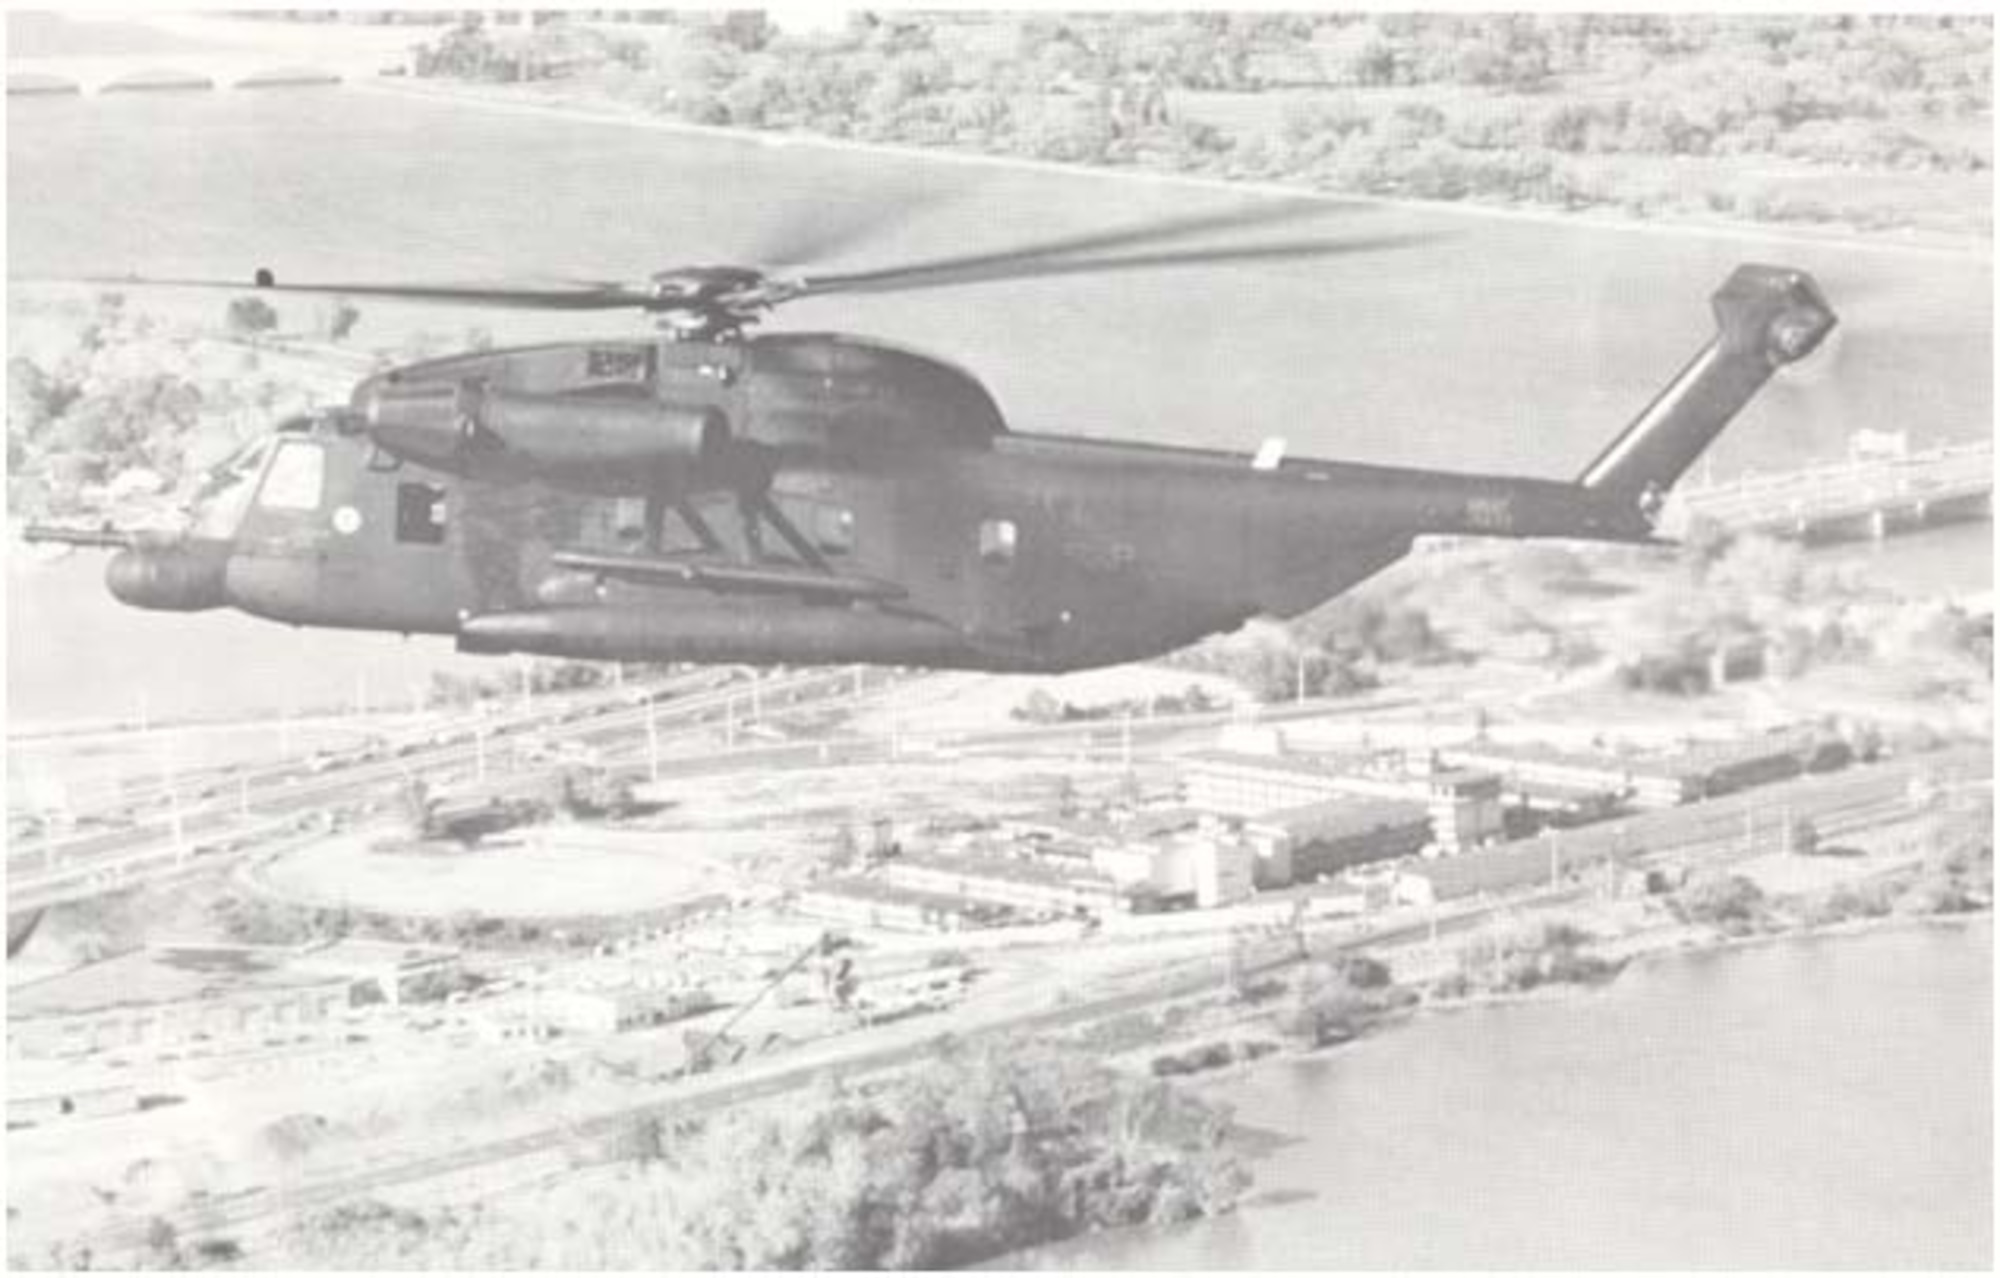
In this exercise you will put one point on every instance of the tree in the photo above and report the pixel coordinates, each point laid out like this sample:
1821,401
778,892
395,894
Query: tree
341,317
251,317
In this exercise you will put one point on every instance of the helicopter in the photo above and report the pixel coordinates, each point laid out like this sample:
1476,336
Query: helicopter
712,493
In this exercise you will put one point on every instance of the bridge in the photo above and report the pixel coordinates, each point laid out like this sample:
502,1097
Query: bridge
219,69
1862,497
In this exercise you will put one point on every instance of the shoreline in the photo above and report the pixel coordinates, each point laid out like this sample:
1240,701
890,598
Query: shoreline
1654,947
582,109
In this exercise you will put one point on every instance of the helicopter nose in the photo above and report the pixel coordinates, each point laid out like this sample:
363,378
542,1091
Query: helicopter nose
172,578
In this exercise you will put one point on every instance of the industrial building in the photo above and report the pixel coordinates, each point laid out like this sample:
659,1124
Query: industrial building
1541,775
1462,804
1543,862
170,995
1301,844
867,901
1013,882
1206,868
1234,783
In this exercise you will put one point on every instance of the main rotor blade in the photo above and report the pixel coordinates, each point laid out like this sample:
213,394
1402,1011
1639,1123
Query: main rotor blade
582,297
1284,251
809,233
981,265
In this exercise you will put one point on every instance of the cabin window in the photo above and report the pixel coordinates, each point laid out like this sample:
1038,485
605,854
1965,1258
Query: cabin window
420,514
618,363
998,540
296,479
628,521
833,529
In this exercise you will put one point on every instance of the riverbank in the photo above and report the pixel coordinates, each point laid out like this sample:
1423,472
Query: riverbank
1312,1001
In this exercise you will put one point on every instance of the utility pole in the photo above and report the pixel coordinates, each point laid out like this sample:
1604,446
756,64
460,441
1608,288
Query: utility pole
174,822
653,740
479,751
1301,698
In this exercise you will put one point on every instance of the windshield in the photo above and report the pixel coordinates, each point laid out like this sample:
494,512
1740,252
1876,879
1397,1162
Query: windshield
218,504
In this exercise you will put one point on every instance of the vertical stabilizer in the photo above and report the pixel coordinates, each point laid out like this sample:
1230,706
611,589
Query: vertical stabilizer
1766,317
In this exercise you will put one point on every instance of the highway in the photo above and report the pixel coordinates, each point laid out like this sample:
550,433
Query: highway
272,802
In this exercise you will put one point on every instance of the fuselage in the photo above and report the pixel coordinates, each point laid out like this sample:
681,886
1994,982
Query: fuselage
999,550
801,498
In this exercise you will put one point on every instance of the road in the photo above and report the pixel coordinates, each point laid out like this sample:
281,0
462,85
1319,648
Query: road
234,820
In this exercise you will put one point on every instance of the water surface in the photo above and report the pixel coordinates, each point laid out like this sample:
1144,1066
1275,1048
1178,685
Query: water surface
1822,1104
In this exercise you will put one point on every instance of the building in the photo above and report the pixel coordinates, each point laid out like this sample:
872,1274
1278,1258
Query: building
1299,845
1543,776
1548,779
169,996
1234,783
1013,882
388,971
869,902
1544,862
1224,871
172,995
1205,868
1462,804
612,1009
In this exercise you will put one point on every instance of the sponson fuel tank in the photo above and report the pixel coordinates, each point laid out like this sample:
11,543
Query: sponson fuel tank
719,629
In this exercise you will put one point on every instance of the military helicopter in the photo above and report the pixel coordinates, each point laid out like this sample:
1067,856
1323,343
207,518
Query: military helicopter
709,493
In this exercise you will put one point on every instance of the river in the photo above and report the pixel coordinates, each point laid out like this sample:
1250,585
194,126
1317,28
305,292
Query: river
1815,1104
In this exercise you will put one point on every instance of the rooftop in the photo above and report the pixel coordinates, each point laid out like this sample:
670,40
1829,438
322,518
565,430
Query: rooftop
162,974
1295,764
997,867
1337,818
861,888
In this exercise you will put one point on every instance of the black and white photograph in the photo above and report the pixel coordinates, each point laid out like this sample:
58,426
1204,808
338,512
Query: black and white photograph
1105,639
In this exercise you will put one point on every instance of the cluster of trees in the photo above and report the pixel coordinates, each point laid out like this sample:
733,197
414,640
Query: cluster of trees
1043,706
968,1156
1730,903
256,920
119,396
1556,953
1437,106
1335,652
1335,1000
975,1155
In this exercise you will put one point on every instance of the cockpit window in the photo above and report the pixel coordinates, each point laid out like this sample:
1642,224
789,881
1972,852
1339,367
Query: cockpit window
296,479
218,504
